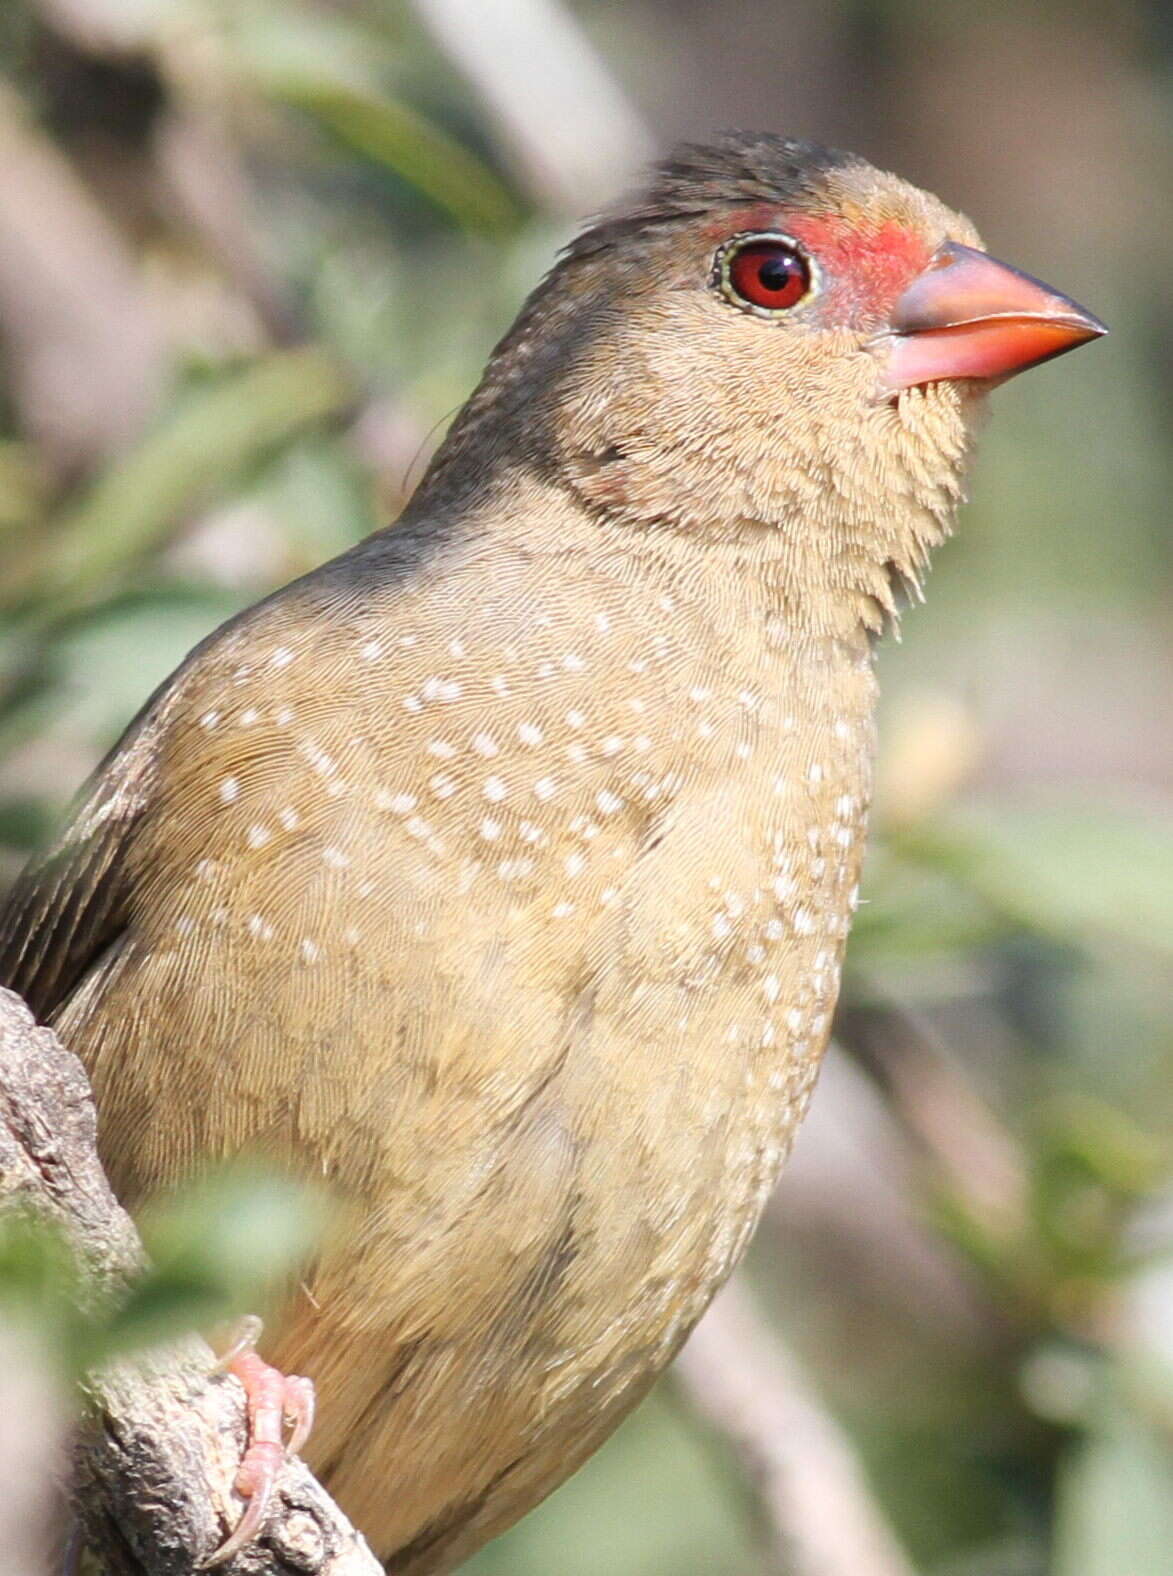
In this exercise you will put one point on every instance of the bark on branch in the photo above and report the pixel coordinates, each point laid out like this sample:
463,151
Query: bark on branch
162,1438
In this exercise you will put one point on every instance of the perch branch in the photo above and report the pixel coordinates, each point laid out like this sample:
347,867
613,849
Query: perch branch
162,1436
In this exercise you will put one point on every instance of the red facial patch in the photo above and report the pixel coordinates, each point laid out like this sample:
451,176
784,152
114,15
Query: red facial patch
864,267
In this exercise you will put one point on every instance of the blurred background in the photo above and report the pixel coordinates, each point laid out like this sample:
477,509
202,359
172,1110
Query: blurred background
252,256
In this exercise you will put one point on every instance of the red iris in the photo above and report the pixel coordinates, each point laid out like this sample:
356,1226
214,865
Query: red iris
769,274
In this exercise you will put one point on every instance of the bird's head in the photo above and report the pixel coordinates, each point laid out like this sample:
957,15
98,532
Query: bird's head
771,342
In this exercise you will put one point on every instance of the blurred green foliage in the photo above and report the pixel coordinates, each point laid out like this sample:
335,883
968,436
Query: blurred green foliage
219,1250
316,229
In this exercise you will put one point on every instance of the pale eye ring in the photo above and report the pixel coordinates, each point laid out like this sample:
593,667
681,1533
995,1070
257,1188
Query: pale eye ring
764,272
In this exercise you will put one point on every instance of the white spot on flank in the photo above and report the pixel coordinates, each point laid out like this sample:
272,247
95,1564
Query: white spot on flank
803,921
335,858
529,832
608,802
515,869
573,663
499,684
310,951
436,688
485,745
209,720
408,641
545,788
441,749
602,622
574,864
815,774
372,650
249,717
412,703
283,716
842,730
184,925
442,785
575,719
562,910
608,895
259,928
324,764
288,818
771,987
490,829
281,658
456,647
495,789
206,869
229,790
529,733
844,805
699,693
612,744
257,836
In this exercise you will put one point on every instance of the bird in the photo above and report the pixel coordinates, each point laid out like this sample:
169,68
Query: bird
496,874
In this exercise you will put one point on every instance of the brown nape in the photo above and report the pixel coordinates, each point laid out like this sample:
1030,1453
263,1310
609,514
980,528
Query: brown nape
497,874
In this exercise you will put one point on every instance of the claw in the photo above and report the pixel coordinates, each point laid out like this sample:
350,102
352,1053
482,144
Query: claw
274,1399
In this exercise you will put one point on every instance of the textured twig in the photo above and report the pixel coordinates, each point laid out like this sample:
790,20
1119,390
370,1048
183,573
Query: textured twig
156,1458
819,1511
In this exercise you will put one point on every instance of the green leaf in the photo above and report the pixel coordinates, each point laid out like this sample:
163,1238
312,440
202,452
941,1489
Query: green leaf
389,133
336,69
205,443
234,1235
1068,868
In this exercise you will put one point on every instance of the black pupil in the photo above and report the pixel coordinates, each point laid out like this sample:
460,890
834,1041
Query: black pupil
775,273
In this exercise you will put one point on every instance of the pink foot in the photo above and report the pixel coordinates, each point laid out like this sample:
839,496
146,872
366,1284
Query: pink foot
274,1399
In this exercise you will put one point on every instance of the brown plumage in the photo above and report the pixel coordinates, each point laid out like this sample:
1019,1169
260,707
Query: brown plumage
499,871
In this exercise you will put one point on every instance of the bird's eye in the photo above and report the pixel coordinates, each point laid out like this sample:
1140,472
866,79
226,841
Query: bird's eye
767,273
